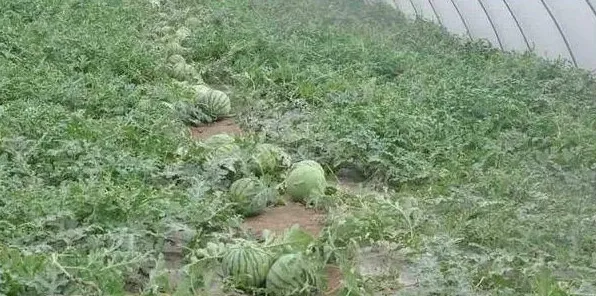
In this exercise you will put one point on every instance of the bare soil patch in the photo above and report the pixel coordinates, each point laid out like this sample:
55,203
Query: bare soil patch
334,278
224,126
281,218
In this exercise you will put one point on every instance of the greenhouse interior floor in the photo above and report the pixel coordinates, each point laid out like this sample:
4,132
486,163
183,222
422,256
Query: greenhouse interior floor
316,147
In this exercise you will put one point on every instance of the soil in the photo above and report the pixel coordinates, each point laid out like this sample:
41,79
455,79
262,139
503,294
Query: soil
224,126
382,262
349,185
174,257
334,278
280,218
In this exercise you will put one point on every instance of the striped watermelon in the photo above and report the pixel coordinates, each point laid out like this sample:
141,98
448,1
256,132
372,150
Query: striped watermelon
306,181
214,102
291,274
176,59
174,47
193,22
310,163
224,151
249,195
182,33
183,71
165,30
269,158
247,266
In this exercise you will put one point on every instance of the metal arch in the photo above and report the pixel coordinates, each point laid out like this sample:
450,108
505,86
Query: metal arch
432,6
397,5
591,7
517,24
491,24
414,7
462,19
560,32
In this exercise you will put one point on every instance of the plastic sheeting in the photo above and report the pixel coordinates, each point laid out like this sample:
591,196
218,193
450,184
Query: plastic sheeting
551,28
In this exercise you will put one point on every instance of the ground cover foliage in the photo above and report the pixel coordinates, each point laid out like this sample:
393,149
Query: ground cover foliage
486,160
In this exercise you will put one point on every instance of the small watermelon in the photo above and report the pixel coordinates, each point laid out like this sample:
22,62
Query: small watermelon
269,158
182,33
215,102
224,151
291,274
305,181
193,22
247,266
165,29
176,59
201,89
183,71
174,47
310,163
249,195
180,233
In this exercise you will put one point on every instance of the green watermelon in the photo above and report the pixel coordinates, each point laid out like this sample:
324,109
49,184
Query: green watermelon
306,180
176,59
165,29
183,71
247,266
182,33
291,274
193,22
310,163
214,102
174,47
249,195
269,158
224,151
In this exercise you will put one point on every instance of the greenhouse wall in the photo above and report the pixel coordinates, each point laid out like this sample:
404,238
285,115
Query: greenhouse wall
551,28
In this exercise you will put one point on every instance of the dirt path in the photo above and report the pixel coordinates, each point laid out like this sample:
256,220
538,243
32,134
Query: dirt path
280,218
225,126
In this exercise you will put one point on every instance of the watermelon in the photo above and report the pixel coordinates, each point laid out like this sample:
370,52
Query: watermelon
306,180
291,274
183,71
310,163
214,102
224,151
269,158
165,29
176,59
182,33
201,88
174,47
193,22
247,266
249,196
180,233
